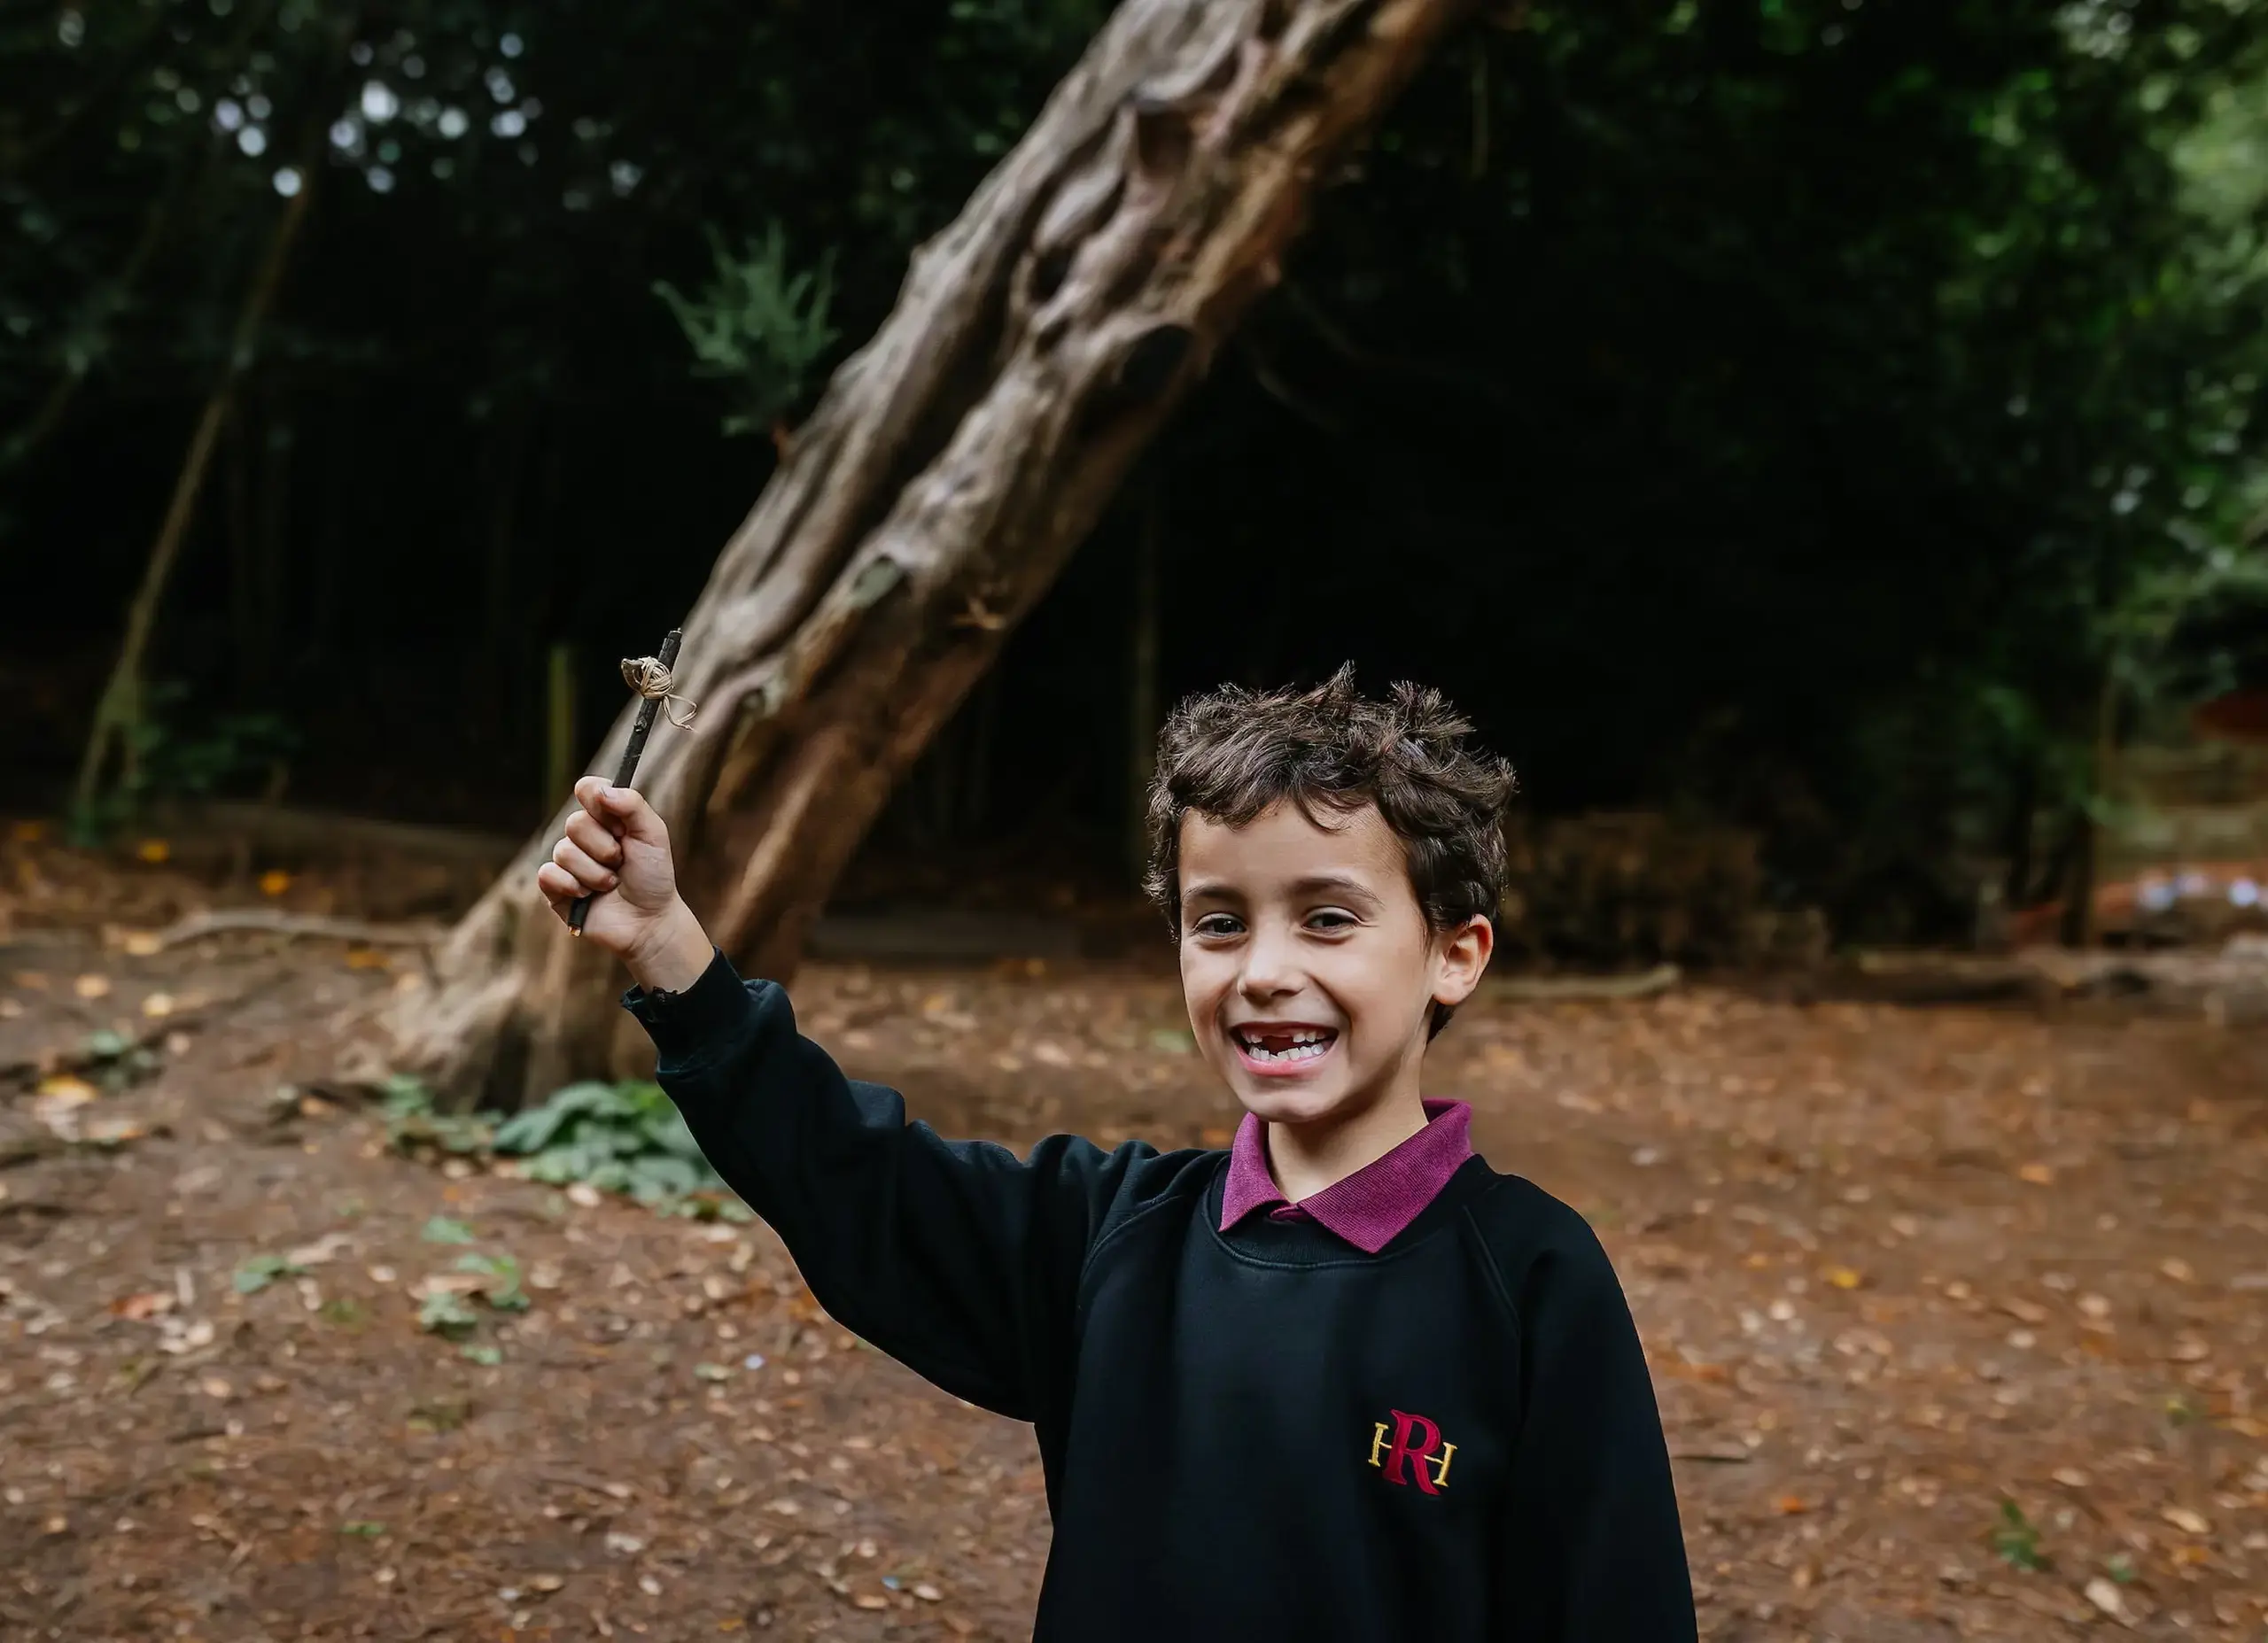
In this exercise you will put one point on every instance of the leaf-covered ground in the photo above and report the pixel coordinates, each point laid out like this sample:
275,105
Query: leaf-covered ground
1957,1317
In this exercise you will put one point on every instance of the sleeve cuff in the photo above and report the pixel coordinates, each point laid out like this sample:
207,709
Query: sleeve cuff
679,1023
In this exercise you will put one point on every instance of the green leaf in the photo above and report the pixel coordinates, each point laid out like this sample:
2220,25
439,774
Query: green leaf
257,1272
443,1229
2017,1540
659,1176
444,1313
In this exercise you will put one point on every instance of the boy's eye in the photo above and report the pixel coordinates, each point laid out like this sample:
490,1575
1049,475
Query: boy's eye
1332,919
1215,924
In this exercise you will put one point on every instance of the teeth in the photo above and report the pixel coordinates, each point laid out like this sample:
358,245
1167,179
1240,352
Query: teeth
1305,1047
1302,1053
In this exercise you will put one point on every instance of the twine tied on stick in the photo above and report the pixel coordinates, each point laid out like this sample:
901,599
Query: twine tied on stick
651,677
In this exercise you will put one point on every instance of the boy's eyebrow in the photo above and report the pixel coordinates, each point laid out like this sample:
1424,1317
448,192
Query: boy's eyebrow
1315,884
1321,883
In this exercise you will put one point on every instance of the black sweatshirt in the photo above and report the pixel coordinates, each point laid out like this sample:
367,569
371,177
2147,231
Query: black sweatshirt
1260,1435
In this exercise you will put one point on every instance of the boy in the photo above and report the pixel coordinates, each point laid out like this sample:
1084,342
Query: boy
1342,1380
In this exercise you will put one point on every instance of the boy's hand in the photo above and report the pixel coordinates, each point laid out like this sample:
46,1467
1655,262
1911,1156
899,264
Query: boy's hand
618,851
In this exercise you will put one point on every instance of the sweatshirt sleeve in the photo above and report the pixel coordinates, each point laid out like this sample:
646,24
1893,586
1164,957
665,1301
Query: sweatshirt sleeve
1592,1546
957,1259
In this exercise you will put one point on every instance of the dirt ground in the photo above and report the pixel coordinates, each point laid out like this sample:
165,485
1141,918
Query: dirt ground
1956,1315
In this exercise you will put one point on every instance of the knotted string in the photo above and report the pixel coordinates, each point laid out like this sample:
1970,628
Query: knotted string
650,678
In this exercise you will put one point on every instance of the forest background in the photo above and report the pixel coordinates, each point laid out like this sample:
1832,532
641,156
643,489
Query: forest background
1829,423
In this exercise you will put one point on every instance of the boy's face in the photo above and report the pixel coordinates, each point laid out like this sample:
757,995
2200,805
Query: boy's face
1307,964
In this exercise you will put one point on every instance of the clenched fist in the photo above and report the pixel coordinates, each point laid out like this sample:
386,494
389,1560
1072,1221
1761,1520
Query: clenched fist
616,850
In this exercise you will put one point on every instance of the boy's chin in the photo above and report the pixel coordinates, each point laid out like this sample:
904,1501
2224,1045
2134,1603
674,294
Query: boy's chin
1274,1102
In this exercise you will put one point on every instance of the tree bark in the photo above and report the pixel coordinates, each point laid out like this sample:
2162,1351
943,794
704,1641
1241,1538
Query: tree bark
949,471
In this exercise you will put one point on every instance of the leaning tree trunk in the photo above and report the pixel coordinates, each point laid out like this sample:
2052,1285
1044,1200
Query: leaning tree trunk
950,469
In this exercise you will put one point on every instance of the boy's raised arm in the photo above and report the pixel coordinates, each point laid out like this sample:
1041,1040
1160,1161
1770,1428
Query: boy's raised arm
956,1258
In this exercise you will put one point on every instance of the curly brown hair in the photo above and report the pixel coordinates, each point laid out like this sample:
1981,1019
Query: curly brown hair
1230,753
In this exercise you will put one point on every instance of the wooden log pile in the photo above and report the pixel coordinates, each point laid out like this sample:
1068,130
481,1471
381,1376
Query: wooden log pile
1615,889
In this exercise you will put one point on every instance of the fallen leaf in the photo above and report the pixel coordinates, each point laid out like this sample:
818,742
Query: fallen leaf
1844,1277
2178,1269
323,1249
91,987
2186,1521
154,851
870,1600
2191,1351
142,943
2038,1175
929,1593
158,1006
2069,1476
367,958
147,1304
63,1091
1792,1506
2106,1596
2024,1311
275,881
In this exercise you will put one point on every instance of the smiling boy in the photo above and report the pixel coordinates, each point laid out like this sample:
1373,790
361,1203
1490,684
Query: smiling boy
1340,1381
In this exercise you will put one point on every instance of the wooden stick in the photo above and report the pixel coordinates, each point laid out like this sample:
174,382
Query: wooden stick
644,727
221,920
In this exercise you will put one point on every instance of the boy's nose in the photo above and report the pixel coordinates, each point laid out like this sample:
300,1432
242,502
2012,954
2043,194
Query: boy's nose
1267,971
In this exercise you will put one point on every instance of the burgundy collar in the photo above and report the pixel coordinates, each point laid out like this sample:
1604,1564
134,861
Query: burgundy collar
1369,1208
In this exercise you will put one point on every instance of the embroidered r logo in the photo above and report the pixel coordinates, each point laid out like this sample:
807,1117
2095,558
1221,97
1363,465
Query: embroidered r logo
1415,1440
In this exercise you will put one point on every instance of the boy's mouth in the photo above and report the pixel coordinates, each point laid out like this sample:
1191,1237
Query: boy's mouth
1282,1047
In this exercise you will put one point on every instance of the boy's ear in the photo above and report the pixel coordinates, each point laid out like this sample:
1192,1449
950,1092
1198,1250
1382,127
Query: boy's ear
1465,957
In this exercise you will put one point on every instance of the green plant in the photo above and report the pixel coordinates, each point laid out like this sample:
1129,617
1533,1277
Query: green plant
166,760
412,1123
625,1138
447,1229
116,1060
444,1313
256,1273
757,326
2016,1540
503,1292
